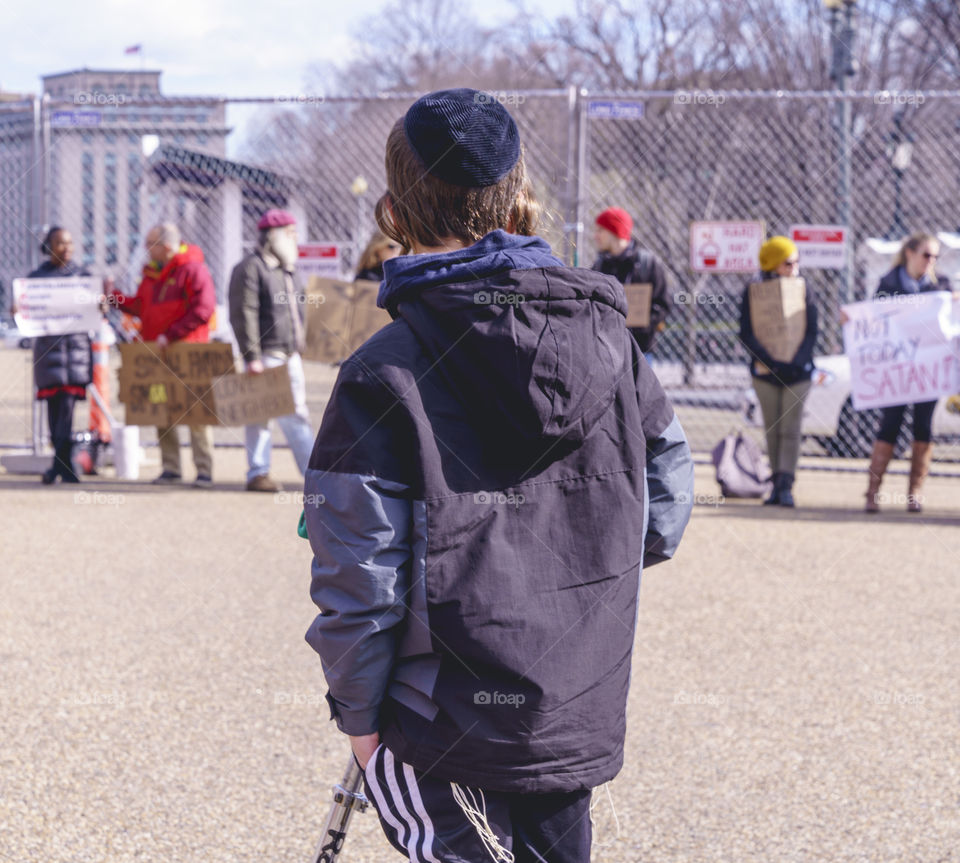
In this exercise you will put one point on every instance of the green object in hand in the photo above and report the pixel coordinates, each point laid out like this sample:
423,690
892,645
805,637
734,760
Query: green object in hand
302,526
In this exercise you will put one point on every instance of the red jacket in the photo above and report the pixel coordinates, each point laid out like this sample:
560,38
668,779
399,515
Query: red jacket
177,301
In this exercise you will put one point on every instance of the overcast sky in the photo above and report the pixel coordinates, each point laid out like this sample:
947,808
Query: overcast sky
210,47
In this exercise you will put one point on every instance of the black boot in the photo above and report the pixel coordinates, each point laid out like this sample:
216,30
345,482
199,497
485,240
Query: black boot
786,489
63,462
775,495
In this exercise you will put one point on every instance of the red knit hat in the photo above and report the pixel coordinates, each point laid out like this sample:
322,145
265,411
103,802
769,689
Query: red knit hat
617,222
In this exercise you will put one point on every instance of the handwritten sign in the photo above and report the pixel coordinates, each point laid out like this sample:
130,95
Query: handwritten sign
778,312
903,349
174,386
53,307
340,316
639,298
248,399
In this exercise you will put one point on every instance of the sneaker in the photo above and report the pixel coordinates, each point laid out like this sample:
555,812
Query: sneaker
168,477
203,480
262,482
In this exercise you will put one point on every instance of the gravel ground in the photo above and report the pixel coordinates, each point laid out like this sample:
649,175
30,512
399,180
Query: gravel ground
794,693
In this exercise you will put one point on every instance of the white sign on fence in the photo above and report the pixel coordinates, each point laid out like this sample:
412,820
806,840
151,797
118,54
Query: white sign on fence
52,307
725,247
822,247
903,349
319,259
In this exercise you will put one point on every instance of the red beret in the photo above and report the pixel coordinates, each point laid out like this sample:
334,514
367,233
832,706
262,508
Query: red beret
617,222
275,219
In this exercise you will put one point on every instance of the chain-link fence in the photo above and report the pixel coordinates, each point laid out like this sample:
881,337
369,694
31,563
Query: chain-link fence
108,168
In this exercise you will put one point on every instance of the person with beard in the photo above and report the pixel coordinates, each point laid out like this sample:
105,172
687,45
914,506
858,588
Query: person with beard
175,302
62,365
492,471
266,312
621,256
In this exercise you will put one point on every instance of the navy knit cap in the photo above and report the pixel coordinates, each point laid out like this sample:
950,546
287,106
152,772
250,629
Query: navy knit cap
463,137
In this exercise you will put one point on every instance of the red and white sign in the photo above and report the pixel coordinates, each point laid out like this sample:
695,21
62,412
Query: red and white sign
319,259
821,246
725,247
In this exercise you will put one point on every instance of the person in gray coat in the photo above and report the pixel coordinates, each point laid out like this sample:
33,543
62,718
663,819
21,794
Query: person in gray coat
266,315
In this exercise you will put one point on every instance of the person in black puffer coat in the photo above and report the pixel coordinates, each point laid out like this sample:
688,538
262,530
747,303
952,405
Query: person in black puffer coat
913,273
62,365
621,256
781,387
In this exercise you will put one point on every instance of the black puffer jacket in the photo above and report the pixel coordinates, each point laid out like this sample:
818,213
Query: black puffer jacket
61,361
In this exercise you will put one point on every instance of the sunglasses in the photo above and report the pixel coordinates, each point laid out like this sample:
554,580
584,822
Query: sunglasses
930,256
792,262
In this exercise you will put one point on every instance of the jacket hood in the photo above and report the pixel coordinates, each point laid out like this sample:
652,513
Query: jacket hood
533,350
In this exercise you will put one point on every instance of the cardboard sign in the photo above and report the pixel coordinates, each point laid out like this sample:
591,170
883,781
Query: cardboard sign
53,307
903,349
173,387
778,312
639,298
340,317
250,399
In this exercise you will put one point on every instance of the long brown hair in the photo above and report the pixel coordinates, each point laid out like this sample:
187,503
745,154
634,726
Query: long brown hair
368,258
914,242
419,208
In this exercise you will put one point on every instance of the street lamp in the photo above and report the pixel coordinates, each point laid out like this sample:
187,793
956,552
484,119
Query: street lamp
358,188
842,68
900,153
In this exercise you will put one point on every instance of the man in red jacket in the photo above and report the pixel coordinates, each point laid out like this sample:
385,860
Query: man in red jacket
175,302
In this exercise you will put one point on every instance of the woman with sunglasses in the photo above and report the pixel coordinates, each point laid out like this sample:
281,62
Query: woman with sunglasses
781,387
914,272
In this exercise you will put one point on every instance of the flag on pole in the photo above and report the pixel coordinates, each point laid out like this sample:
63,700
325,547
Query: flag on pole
134,49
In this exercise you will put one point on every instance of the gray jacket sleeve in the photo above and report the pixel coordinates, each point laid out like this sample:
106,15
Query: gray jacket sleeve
245,307
669,493
359,528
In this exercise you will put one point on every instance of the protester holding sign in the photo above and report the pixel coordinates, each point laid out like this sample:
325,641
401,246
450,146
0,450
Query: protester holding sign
175,302
621,256
914,272
780,369
266,312
61,364
473,485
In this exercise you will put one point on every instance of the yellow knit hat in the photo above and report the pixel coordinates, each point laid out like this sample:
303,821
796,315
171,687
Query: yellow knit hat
775,251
